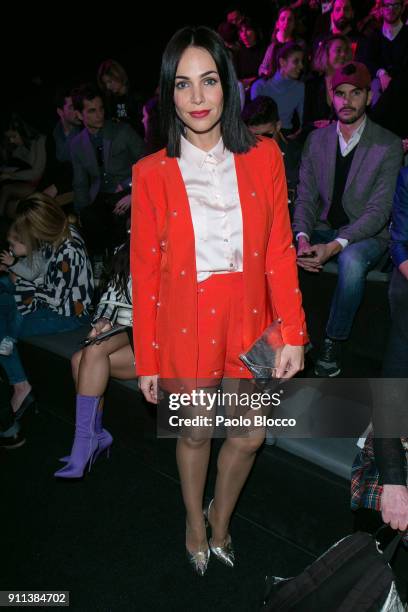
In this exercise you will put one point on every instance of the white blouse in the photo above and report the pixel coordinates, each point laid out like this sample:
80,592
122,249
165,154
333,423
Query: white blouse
212,189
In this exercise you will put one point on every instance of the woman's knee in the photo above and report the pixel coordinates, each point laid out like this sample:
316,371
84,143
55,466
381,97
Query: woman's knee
248,444
195,440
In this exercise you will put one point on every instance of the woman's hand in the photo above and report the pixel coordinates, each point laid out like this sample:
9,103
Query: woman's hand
7,259
291,361
394,506
101,325
148,386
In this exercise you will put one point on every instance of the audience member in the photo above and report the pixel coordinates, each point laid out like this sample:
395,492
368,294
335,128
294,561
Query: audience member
344,198
25,159
102,157
59,174
285,87
379,482
333,53
283,33
249,53
95,364
121,102
386,51
61,302
341,20
262,117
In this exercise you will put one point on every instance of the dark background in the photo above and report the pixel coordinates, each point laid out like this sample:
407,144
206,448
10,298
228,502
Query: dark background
60,43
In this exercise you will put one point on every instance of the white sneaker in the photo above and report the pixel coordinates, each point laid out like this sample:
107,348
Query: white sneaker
6,346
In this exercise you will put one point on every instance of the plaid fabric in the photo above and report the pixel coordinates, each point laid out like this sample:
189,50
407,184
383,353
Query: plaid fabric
365,489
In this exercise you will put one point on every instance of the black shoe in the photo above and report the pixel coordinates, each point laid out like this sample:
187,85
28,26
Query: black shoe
29,403
13,441
328,362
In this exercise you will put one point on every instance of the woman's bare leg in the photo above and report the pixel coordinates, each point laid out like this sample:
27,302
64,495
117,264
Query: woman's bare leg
193,454
94,368
235,460
11,195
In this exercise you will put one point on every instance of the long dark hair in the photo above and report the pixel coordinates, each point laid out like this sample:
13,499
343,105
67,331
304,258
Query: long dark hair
27,132
236,136
118,270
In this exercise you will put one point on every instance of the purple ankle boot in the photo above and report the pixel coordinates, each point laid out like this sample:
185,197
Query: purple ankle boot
104,437
85,442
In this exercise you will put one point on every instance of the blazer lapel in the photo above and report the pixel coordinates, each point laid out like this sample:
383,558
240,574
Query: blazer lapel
179,206
329,163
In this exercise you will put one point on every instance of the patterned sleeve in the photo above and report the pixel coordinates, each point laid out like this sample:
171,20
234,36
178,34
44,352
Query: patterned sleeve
108,311
62,274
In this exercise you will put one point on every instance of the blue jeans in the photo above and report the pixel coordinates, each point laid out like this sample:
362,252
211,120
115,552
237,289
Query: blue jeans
354,263
38,323
396,356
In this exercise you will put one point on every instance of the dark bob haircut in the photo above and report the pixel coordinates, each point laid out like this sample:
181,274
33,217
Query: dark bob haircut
260,111
236,136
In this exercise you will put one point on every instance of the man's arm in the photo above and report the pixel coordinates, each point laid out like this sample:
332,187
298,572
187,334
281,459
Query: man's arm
137,150
399,225
307,199
378,208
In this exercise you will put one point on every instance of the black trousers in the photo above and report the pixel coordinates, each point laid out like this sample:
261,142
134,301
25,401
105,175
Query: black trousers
102,229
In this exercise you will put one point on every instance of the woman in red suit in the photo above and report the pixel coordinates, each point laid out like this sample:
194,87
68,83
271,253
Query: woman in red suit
212,264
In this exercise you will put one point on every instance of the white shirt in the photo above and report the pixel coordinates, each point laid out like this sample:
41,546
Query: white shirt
391,31
347,146
212,188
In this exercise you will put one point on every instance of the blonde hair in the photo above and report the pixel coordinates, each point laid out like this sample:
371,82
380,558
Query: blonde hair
114,70
40,220
320,61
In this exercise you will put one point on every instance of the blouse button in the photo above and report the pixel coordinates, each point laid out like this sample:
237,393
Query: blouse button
163,162
253,194
254,310
256,254
184,330
183,273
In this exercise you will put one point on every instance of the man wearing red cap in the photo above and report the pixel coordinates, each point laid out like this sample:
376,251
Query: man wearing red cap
346,186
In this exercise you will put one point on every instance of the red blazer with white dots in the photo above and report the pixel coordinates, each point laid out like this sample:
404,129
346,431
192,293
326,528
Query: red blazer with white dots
163,265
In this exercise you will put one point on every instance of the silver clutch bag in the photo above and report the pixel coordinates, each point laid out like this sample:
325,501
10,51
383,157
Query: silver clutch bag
264,354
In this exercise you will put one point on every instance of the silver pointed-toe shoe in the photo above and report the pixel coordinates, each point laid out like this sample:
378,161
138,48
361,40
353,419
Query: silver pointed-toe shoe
224,553
199,560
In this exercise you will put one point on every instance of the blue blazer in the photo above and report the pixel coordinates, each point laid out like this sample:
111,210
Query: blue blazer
399,224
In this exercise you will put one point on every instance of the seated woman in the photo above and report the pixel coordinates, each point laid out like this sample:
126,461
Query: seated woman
285,88
61,302
94,365
334,52
249,54
25,160
283,33
122,103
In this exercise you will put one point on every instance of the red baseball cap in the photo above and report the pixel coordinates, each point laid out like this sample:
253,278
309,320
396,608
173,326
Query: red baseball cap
352,73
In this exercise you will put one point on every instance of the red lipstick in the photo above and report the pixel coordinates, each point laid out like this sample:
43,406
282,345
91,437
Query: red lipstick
200,114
